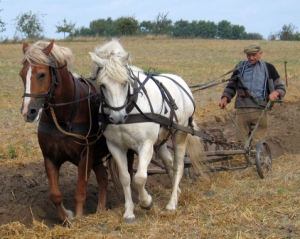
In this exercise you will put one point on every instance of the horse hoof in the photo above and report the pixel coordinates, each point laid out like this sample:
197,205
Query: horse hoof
130,220
148,207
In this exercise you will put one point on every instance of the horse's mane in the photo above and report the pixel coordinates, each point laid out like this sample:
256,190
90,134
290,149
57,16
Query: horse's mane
34,53
112,52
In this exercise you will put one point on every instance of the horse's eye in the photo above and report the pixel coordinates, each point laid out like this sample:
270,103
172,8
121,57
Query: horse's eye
41,76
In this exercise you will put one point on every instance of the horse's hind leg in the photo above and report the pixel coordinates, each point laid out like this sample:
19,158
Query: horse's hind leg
179,152
102,179
55,194
165,155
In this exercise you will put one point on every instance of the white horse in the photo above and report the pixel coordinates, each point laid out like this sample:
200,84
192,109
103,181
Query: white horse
117,83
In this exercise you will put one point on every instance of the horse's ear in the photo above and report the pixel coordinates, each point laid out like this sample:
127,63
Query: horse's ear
25,46
48,48
125,58
96,59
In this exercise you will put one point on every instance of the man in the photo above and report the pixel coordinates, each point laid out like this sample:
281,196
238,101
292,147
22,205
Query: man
255,83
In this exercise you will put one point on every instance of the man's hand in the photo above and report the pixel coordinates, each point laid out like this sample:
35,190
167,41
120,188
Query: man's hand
273,95
223,103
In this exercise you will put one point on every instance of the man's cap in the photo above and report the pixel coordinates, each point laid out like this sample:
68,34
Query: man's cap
252,48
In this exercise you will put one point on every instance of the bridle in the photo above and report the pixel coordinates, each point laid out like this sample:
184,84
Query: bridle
130,98
54,81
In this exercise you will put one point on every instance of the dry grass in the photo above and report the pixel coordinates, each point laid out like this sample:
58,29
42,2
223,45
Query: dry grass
232,205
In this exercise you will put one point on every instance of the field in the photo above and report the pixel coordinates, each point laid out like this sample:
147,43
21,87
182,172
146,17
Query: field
232,204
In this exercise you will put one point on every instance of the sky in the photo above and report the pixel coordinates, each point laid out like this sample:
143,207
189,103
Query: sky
257,16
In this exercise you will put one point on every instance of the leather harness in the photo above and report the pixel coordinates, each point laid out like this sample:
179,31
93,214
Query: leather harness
171,122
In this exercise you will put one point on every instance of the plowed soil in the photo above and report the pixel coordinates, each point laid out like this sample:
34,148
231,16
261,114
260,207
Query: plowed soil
25,193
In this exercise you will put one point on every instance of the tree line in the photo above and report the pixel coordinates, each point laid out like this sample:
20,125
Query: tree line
30,25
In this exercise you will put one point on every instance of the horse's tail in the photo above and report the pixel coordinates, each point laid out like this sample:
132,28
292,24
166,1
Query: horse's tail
195,151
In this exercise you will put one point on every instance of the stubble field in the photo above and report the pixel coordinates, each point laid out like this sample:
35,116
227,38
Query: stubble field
233,204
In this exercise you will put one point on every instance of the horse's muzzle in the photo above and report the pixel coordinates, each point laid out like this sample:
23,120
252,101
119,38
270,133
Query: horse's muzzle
117,117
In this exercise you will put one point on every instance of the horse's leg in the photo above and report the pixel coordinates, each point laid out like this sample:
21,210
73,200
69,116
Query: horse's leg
124,176
55,194
102,179
165,155
145,155
179,151
83,176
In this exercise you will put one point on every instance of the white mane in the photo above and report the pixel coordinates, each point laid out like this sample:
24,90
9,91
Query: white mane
113,60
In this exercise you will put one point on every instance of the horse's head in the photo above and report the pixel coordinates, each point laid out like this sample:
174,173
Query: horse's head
38,76
111,73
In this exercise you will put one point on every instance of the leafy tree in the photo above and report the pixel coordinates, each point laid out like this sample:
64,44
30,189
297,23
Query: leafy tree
162,25
238,32
83,31
211,29
182,28
65,27
224,30
287,32
297,36
252,36
30,24
2,24
104,27
146,27
127,25
206,29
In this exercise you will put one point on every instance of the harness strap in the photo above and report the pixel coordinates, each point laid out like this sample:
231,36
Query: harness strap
185,91
159,119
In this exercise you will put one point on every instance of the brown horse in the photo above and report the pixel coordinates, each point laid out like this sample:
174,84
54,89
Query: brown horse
66,108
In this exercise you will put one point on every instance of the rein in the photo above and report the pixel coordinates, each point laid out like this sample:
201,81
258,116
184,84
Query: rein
211,83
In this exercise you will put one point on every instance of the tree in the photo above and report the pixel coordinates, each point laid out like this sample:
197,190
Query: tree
224,30
206,29
2,24
287,32
83,31
30,24
65,27
103,27
162,25
127,25
182,28
238,32
146,27
253,36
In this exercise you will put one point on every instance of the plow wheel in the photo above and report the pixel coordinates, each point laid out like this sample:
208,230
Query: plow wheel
263,160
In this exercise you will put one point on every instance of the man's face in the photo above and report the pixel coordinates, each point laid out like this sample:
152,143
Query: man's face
254,57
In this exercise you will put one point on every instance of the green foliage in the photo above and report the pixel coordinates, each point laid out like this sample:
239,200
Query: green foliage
287,32
65,27
162,25
102,27
12,152
30,24
127,25
224,30
146,27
